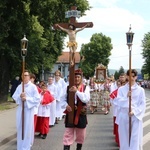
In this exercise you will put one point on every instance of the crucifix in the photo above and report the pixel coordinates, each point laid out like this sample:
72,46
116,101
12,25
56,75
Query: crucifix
70,29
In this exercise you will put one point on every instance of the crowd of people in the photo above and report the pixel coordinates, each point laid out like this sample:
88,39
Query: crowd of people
117,94
42,107
100,92
48,102
45,104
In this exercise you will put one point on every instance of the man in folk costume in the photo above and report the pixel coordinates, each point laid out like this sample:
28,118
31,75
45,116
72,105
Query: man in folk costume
53,90
82,97
42,125
31,98
138,106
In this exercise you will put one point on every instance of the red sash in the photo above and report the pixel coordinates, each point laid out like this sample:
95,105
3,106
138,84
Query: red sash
79,106
113,95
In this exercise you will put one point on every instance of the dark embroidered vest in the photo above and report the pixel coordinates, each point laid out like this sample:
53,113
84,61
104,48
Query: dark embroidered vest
80,118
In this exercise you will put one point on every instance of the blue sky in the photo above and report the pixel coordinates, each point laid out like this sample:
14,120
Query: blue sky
113,18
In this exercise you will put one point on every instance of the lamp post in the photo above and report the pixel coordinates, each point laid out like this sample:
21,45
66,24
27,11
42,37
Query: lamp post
24,45
129,37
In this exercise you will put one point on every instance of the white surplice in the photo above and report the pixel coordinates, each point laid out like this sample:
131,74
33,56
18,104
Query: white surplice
32,100
138,106
43,110
53,90
61,90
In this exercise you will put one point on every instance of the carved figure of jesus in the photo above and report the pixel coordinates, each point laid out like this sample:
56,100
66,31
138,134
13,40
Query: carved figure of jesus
72,44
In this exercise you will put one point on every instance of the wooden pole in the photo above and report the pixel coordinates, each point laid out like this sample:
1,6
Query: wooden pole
129,96
23,68
71,94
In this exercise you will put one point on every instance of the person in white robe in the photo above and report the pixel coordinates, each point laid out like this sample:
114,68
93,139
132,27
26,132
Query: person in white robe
31,98
138,106
32,79
53,90
61,89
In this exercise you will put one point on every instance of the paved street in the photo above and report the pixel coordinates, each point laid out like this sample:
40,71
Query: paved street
99,134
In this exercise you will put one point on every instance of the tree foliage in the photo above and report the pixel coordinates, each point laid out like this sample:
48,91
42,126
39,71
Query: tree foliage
97,51
146,54
121,70
118,73
35,19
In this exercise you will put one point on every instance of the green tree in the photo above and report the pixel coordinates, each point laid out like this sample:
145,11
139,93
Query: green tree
121,70
144,73
97,51
35,19
146,54
116,75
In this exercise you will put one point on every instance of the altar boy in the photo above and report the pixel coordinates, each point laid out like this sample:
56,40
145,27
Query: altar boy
44,112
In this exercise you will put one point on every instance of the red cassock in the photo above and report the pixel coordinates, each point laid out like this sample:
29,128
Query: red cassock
35,115
43,121
113,95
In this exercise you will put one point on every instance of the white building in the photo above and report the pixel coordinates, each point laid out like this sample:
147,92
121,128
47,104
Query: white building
62,64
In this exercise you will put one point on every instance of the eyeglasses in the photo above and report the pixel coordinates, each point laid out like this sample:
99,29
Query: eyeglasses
133,76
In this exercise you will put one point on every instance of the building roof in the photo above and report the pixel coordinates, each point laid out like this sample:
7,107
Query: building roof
64,58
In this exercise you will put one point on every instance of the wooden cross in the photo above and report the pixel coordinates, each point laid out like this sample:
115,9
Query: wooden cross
72,14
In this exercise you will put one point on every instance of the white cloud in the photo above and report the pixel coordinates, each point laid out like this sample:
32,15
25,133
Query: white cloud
105,3
114,22
113,19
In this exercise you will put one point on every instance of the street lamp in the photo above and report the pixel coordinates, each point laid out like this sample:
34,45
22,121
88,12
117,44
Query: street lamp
129,37
24,45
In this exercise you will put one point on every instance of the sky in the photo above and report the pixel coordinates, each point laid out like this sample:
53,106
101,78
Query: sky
113,18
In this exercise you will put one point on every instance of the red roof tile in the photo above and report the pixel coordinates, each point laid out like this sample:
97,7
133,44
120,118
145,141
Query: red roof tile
64,58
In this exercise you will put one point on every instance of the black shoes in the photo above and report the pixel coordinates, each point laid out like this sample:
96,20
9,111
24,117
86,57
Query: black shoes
79,146
66,147
39,134
50,126
43,136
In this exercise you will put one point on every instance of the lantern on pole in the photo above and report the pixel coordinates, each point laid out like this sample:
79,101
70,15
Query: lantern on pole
129,37
24,45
